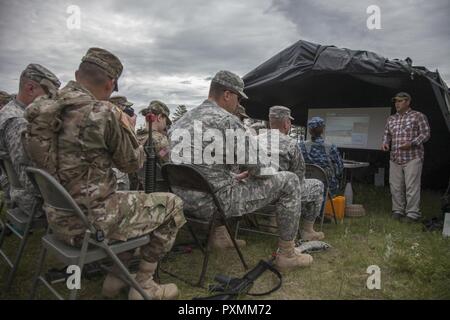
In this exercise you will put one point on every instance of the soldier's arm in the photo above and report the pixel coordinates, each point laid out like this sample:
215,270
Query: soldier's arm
127,154
162,148
13,142
297,161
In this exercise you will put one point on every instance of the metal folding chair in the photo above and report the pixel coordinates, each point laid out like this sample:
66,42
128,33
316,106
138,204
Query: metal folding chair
94,247
256,225
189,178
17,222
315,172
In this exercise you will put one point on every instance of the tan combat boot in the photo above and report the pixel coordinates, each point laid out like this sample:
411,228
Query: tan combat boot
112,285
221,239
309,234
156,291
288,258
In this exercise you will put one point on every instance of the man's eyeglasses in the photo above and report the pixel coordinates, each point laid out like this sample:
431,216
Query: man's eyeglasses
238,95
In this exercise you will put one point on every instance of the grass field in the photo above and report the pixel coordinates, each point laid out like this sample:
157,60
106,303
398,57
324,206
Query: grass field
414,264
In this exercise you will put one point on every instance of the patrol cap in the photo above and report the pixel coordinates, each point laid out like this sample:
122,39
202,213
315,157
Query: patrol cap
41,75
241,111
401,96
230,81
280,112
106,61
158,107
120,101
316,122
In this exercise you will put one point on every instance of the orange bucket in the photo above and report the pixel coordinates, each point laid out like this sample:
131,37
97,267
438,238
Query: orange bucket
339,207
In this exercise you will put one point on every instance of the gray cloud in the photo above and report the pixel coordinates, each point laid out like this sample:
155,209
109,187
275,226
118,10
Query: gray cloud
171,49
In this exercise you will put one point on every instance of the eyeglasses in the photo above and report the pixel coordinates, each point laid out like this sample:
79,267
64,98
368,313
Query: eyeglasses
237,94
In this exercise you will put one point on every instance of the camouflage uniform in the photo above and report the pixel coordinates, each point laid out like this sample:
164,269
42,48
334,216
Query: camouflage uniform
123,180
291,159
97,136
12,125
324,155
237,197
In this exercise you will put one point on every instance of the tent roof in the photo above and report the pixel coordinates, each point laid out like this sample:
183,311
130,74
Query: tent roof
308,75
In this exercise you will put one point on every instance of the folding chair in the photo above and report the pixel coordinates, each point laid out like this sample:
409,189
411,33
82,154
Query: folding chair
315,172
254,223
94,246
17,222
189,178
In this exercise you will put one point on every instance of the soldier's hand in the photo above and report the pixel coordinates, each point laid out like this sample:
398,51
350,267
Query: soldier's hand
385,147
242,175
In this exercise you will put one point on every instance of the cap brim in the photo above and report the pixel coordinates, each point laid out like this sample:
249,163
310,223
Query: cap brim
128,104
290,117
243,95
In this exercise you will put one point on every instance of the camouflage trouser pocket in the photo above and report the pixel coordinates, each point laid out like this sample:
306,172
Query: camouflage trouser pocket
162,206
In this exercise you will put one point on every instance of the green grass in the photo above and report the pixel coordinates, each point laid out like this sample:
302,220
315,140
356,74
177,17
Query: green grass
414,264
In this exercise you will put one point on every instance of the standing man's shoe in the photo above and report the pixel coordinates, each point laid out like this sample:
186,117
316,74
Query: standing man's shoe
408,219
397,215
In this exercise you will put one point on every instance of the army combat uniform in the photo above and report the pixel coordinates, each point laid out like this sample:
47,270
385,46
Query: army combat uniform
97,137
290,159
237,197
12,125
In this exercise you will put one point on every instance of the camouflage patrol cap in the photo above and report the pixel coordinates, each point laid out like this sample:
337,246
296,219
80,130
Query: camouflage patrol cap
241,111
5,98
41,75
231,81
106,61
279,112
120,101
158,107
316,122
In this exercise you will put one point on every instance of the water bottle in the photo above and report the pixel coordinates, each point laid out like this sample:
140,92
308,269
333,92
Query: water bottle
348,194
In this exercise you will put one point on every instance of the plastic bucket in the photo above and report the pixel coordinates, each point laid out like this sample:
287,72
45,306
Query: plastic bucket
339,207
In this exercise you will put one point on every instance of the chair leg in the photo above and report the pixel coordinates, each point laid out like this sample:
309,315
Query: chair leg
36,280
197,241
332,208
241,257
19,254
322,211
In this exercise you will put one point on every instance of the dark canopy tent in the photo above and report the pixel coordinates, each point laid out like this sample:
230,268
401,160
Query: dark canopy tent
307,75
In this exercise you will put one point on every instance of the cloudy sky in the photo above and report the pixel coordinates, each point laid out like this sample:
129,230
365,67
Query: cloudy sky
170,49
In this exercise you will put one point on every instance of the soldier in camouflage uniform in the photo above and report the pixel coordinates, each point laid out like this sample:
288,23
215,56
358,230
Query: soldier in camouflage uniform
159,137
4,185
94,137
243,193
317,151
123,179
241,114
291,159
35,81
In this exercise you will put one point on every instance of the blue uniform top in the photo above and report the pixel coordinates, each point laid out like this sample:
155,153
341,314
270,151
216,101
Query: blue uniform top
325,156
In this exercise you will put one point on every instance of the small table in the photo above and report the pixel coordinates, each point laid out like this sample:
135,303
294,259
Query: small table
350,164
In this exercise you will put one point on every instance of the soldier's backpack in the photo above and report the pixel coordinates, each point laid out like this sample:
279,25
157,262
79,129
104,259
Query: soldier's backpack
44,123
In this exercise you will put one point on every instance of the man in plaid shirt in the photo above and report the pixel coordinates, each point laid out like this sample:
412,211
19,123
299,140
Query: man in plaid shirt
404,135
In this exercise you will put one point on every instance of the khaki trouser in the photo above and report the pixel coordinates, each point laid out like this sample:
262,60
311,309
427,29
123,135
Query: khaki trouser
405,187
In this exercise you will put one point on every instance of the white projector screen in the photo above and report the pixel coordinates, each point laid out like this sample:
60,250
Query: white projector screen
357,128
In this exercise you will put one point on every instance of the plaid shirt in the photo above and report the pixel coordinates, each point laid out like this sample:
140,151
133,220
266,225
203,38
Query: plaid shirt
410,127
